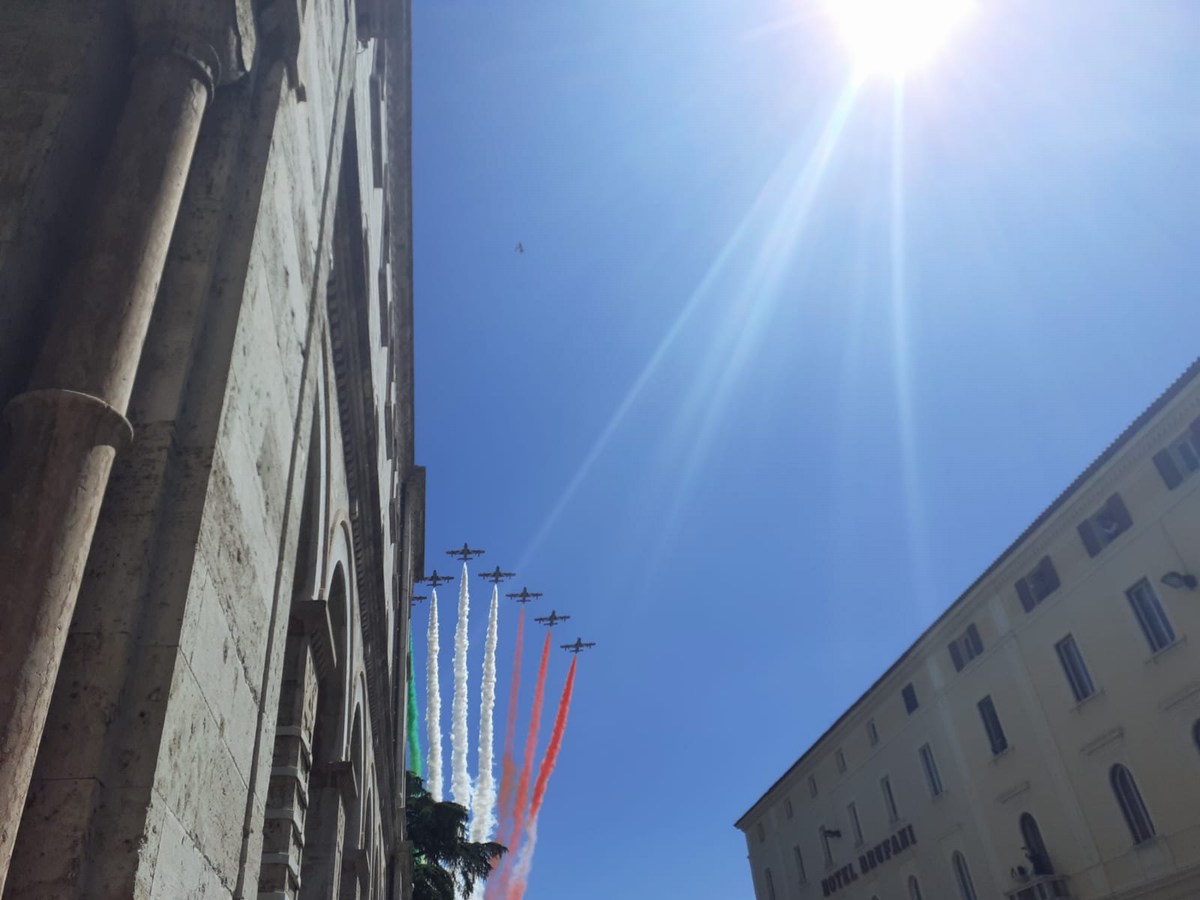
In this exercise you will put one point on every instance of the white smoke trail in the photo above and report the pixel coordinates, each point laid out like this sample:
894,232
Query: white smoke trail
485,787
433,706
460,779
520,875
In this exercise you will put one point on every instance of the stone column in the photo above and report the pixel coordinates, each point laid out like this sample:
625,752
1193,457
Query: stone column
67,428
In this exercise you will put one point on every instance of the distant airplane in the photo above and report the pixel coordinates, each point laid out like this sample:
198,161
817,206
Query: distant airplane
551,620
524,596
520,248
435,579
417,598
465,553
496,576
579,646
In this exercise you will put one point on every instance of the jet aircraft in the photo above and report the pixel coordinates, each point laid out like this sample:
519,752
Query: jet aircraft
551,620
465,553
417,598
435,579
524,596
579,646
496,576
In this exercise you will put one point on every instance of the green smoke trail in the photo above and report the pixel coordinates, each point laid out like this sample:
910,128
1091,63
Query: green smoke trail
415,758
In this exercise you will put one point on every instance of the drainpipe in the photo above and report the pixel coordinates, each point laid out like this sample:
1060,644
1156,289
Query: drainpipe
67,428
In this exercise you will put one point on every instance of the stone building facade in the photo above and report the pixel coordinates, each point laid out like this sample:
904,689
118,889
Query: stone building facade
210,511
1041,740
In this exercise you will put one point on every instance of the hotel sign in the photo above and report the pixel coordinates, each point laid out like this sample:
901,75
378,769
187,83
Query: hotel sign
874,857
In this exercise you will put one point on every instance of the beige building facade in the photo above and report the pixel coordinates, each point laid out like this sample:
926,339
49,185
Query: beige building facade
1042,738
210,511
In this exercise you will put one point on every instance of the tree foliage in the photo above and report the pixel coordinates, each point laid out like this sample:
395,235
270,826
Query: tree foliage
443,858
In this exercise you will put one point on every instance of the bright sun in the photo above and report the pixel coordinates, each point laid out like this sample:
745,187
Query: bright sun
893,37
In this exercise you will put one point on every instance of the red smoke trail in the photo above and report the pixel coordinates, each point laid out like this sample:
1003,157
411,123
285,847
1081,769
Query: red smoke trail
517,890
508,766
519,810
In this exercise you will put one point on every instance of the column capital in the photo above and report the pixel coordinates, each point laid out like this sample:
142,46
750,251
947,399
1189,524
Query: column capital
217,36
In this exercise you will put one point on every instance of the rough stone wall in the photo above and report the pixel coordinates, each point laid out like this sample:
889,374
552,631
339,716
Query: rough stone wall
152,780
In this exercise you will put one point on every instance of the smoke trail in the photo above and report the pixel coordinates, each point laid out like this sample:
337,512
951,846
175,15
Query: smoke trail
508,766
413,719
525,860
527,766
433,704
485,788
460,780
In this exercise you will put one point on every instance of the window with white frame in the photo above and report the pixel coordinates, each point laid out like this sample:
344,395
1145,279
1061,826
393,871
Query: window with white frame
1150,615
962,876
889,800
929,765
1129,798
1076,670
991,724
855,825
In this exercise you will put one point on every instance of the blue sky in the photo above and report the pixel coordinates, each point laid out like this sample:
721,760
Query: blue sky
771,385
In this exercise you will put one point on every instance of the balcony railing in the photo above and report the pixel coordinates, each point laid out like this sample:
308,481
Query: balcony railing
1041,887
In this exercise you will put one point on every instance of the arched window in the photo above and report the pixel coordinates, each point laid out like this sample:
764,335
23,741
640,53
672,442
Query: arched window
1035,847
914,888
962,875
1130,800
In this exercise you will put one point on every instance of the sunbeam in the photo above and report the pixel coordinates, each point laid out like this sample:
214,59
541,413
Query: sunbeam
769,265
801,176
902,368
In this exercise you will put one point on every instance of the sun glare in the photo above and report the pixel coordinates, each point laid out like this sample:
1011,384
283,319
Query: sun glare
893,37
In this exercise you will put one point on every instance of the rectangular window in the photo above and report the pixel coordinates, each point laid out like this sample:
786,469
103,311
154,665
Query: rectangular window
770,886
965,647
991,723
929,764
800,865
825,847
1150,615
812,785
910,698
1181,458
852,812
889,801
1105,525
841,761
872,733
1038,584
1077,673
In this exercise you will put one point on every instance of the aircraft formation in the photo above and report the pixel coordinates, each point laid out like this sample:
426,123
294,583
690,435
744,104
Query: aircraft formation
501,808
466,553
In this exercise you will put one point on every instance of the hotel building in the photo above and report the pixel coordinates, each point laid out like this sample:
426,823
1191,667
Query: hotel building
1042,738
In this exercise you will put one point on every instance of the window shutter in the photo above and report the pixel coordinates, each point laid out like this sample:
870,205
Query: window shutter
1167,469
956,656
974,641
1050,574
1116,509
1088,537
1026,595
